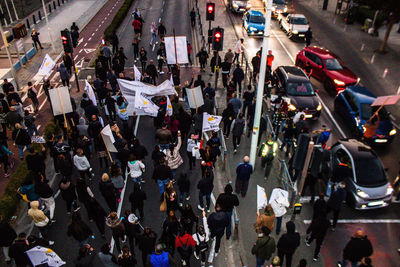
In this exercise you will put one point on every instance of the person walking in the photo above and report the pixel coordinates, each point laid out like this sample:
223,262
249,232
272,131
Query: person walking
162,174
238,50
228,201
64,75
35,39
308,36
205,186
217,222
173,157
137,198
225,70
162,31
108,191
32,95
21,139
126,259
117,228
356,249
201,237
153,32
243,172
237,131
336,199
17,251
40,220
184,188
192,16
288,243
317,230
97,214
279,201
147,242
29,121
160,258
266,219
229,57
45,192
7,238
68,193
203,56
82,164
264,247
136,169
143,59
236,102
67,60
184,243
270,59
151,70
215,63
79,230
4,154
106,257
238,77
114,42
191,146
228,115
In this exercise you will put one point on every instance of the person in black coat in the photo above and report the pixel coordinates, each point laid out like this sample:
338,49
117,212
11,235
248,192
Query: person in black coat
132,230
21,138
157,155
97,214
147,243
137,198
288,243
205,186
320,207
151,70
188,219
184,187
238,76
17,251
228,201
217,222
335,202
64,166
68,193
6,238
35,161
138,150
357,248
317,230
108,191
79,230
84,193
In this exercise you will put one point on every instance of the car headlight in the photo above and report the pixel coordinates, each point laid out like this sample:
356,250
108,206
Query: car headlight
292,107
295,32
358,80
389,190
319,107
235,5
362,194
285,9
273,9
393,132
252,29
338,82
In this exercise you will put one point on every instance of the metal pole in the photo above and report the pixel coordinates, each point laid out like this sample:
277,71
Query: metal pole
6,44
9,13
18,54
15,11
209,44
216,72
260,87
136,124
48,27
75,72
5,20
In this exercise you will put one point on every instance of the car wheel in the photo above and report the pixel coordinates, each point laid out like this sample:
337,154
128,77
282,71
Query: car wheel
328,85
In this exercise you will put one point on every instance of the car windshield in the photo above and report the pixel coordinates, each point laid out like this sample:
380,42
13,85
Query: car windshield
257,19
300,89
279,2
298,20
367,111
333,64
369,171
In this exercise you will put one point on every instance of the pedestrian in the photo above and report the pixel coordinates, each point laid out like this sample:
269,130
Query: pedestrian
228,115
270,59
126,259
3,123
122,58
68,193
203,56
114,42
135,44
132,229
238,50
289,133
217,222
108,191
215,63
64,75
13,117
110,106
28,189
79,230
320,207
86,257
117,228
208,90
40,220
105,256
173,125
236,102
279,202
184,243
288,243
201,237
205,186
238,126
184,188
157,155
161,57
336,199
108,54
35,39
171,227
160,258
198,122
188,218
67,60
82,164
170,198
264,247
143,59
228,201
21,139
189,52
162,31
192,16
266,219
17,251
225,70
248,98
162,174
163,137
308,36
97,214
151,70
173,157
112,79
243,172
7,238
208,105
317,230
45,192
356,249
229,57
191,147
137,198
153,32
238,77
29,121
32,95
64,166
136,169
255,62
147,242
4,156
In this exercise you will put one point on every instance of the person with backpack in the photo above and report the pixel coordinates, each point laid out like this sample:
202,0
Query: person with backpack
160,258
264,247
184,243
217,222
237,131
201,237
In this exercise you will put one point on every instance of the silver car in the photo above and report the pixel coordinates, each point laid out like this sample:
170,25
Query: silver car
365,177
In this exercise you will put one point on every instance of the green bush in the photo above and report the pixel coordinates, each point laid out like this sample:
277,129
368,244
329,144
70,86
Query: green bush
365,12
118,19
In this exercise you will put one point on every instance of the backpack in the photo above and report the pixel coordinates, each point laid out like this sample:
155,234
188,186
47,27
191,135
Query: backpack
202,245
185,250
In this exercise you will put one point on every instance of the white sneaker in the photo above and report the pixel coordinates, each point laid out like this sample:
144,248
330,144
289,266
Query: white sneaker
123,241
199,207
234,151
208,210
51,242
195,255
188,198
183,263
216,254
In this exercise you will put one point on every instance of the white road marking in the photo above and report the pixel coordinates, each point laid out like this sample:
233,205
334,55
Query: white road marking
79,51
159,20
92,34
90,38
44,102
85,45
362,221
75,57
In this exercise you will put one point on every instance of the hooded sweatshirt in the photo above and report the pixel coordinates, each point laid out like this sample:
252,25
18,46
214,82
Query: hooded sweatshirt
82,127
37,216
289,241
116,225
81,162
136,168
227,200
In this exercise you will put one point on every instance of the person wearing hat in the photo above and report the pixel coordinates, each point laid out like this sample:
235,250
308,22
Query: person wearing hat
288,243
263,247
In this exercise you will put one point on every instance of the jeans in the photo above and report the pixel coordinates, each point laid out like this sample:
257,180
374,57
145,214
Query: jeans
208,198
259,262
162,184
236,141
153,37
183,195
21,150
32,129
278,225
229,227
236,58
137,180
344,263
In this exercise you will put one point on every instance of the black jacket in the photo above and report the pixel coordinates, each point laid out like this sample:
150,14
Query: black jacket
217,222
107,189
96,212
147,242
81,233
68,194
17,252
7,234
140,151
357,248
162,172
21,137
86,261
336,199
43,190
183,184
318,227
227,200
151,70
319,208
238,75
137,198
131,230
35,162
206,184
289,241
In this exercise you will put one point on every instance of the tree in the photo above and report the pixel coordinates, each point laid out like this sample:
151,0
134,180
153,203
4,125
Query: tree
392,9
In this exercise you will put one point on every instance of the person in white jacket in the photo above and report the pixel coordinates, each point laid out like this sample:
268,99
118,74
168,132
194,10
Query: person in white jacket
82,164
279,201
202,236
136,169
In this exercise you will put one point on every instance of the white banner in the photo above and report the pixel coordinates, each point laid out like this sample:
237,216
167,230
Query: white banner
169,107
60,99
47,65
41,255
181,50
137,73
195,97
108,138
211,122
38,139
144,106
89,91
261,198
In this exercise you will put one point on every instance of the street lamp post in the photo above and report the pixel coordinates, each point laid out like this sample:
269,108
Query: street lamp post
48,27
260,87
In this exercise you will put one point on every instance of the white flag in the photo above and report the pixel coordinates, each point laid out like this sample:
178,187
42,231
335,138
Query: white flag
108,138
181,50
261,198
171,80
144,106
60,100
89,91
211,122
195,97
47,65
137,73
169,107
41,255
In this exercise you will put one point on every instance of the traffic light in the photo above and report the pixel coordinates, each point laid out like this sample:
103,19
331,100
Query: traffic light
218,39
210,12
67,41
210,36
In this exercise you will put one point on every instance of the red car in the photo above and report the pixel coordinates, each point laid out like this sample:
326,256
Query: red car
326,67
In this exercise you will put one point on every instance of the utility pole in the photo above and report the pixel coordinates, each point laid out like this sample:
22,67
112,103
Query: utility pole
48,27
15,11
14,75
9,13
260,87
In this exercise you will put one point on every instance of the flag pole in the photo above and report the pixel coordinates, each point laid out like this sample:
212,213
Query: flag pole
176,56
108,152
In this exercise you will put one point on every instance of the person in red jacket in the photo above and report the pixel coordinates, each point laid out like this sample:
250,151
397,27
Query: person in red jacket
185,243
137,26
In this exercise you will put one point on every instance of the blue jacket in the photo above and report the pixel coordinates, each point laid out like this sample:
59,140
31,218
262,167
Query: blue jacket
243,171
159,260
237,104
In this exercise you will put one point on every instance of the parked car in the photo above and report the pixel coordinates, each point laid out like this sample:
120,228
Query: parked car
294,83
254,22
295,25
239,6
354,105
278,7
327,68
363,172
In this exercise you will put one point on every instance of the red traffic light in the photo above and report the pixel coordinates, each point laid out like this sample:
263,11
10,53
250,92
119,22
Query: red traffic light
217,35
210,8
63,38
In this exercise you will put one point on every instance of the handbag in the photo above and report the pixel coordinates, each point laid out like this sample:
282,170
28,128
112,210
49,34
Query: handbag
202,245
163,206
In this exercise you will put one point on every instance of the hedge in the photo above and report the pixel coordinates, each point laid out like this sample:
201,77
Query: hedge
365,12
118,19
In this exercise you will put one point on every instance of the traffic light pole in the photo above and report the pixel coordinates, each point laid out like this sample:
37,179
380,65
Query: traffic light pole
75,72
260,87
48,27
209,29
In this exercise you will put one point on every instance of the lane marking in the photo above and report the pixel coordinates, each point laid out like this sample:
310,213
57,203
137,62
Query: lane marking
90,38
362,221
44,102
92,34
85,45
79,51
159,20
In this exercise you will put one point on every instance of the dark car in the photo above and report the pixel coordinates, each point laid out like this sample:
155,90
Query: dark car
354,106
359,167
294,83
327,68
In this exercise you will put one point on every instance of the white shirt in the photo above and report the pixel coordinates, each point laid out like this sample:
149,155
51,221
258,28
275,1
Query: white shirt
135,168
279,201
238,47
